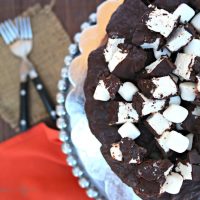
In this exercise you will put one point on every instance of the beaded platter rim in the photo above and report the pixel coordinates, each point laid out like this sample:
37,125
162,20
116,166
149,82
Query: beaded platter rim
62,123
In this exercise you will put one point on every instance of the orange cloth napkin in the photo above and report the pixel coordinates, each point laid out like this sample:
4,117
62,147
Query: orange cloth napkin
32,167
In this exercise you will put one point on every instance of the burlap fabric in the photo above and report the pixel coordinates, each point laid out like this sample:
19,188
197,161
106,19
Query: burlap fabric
50,43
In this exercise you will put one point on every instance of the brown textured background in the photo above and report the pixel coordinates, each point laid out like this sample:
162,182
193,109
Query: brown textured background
71,14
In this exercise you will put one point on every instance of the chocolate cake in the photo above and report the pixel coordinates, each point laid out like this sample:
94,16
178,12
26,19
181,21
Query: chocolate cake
143,97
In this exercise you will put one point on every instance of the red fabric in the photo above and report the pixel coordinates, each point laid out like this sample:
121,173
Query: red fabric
32,167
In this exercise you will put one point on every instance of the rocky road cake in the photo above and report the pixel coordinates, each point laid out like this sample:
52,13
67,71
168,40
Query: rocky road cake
143,97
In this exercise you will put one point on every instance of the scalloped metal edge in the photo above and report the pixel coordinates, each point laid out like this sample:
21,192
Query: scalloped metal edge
68,75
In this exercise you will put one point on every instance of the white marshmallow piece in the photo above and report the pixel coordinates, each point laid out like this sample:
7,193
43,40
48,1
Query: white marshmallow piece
195,22
184,64
193,48
127,113
177,142
175,113
190,137
163,140
129,130
184,170
185,13
113,54
161,53
151,106
175,100
161,91
127,90
153,45
101,93
115,152
187,90
161,21
173,183
179,38
158,123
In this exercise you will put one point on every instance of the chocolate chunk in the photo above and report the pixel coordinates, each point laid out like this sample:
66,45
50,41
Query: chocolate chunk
124,20
160,21
195,172
132,153
147,141
178,39
143,35
112,84
121,112
122,169
196,142
187,66
169,5
161,67
146,86
138,103
147,189
134,62
192,122
152,170
197,99
194,157
195,4
150,58
145,106
196,66
156,87
190,28
157,124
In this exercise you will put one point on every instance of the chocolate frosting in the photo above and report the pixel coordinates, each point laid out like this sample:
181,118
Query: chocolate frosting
169,5
124,21
97,113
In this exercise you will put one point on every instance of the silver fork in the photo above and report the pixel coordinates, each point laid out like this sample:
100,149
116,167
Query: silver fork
18,37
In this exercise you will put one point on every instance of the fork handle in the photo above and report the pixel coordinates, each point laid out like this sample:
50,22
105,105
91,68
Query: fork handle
45,97
24,118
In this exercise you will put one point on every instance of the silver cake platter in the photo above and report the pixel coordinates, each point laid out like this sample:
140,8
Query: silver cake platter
84,180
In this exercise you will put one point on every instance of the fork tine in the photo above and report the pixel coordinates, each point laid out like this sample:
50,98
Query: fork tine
10,29
14,28
30,34
7,33
17,25
5,38
21,27
25,28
